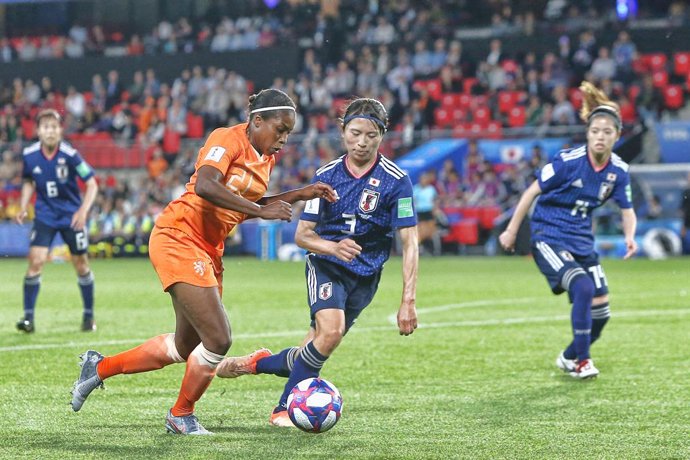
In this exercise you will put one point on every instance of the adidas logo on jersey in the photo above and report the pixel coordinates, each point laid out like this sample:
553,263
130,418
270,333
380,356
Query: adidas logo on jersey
37,170
578,183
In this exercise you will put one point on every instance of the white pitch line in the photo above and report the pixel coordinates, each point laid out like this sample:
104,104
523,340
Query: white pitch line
300,333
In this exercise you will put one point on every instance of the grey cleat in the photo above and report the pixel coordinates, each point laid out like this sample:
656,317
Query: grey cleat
88,378
187,424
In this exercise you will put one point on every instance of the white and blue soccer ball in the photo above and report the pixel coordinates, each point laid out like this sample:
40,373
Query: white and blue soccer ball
314,405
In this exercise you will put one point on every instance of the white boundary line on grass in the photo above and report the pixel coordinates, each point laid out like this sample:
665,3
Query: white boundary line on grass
300,333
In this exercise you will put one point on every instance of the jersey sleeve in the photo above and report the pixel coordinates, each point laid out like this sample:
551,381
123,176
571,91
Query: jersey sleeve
403,212
312,208
217,151
84,171
622,193
26,169
552,174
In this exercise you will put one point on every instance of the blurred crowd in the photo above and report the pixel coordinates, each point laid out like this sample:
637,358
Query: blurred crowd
408,57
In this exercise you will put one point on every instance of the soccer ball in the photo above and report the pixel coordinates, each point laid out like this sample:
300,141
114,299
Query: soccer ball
314,405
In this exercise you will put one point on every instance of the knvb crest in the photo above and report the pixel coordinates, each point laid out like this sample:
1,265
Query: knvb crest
200,267
369,200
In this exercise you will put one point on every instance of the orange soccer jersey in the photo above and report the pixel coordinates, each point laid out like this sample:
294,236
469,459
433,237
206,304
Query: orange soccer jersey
188,241
246,174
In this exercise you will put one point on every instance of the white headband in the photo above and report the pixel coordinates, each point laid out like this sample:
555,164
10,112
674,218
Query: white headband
275,107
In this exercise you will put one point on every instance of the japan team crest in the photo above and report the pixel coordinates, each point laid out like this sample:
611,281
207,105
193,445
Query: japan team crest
62,172
369,200
605,190
325,291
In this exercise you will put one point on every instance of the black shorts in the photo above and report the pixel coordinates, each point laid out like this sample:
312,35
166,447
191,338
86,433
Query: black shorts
425,216
43,235
331,286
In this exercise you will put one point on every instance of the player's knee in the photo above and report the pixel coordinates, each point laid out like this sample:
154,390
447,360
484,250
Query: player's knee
331,337
581,286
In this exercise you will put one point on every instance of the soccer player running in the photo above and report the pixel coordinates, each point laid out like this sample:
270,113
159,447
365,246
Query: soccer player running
51,168
228,185
575,183
348,242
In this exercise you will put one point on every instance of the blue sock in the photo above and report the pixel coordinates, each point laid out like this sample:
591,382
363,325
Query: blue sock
31,286
307,365
279,364
86,287
581,291
600,316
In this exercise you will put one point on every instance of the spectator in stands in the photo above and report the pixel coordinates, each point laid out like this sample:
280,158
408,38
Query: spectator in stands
157,165
563,110
649,101
7,53
75,103
624,53
603,67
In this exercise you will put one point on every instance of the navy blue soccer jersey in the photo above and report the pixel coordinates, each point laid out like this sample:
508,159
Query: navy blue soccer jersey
370,208
571,189
57,191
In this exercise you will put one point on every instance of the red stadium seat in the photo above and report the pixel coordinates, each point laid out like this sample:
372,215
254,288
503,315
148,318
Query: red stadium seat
465,232
681,63
470,212
575,96
517,117
467,84
171,141
481,115
494,130
195,126
673,97
29,128
628,112
633,92
451,100
487,216
509,99
660,79
655,61
443,117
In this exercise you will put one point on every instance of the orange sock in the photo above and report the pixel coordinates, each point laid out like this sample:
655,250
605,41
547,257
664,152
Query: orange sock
153,354
201,368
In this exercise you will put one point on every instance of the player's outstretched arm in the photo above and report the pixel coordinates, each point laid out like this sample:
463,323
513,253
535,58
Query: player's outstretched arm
407,314
629,227
307,238
311,191
507,238
210,187
79,217
28,188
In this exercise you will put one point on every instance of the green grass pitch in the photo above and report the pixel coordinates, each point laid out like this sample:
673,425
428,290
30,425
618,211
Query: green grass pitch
476,380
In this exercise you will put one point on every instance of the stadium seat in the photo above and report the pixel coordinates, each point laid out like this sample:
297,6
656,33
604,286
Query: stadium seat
660,78
517,117
633,92
673,97
171,141
443,117
487,216
465,231
655,61
470,212
29,128
494,130
509,99
575,96
459,115
481,115
628,112
195,126
467,84
451,100
681,63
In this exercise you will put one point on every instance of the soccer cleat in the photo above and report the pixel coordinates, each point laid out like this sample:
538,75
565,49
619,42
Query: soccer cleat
88,325
280,418
88,379
187,424
585,370
25,325
232,367
565,364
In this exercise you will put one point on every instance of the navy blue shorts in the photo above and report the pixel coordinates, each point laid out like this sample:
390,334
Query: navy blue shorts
559,266
331,286
43,235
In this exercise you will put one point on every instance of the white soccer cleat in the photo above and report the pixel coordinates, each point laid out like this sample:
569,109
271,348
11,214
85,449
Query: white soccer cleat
585,370
565,364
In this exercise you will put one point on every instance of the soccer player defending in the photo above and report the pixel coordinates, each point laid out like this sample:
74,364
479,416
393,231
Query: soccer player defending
51,168
575,183
348,242
186,245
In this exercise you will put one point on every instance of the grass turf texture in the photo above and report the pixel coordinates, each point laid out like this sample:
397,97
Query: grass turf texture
477,380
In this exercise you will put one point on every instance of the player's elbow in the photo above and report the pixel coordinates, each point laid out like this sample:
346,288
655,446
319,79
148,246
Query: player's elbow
203,189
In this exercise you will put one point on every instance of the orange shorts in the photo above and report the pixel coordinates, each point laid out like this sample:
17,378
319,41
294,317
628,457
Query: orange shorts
178,259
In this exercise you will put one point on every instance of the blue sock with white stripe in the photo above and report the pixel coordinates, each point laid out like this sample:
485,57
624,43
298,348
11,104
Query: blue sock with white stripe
581,290
600,316
307,365
31,286
86,288
279,364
